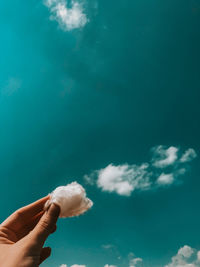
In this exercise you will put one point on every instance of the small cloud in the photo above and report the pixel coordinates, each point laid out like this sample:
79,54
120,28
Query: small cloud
69,18
164,157
110,265
189,155
12,85
89,179
108,246
165,179
134,261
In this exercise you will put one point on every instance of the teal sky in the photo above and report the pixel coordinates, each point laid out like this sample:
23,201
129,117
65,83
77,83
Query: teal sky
114,87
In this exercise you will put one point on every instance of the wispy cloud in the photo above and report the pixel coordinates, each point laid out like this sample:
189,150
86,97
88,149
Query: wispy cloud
189,155
185,257
164,157
69,18
164,168
108,246
134,261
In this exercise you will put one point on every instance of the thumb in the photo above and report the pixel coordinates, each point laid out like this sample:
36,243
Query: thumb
46,224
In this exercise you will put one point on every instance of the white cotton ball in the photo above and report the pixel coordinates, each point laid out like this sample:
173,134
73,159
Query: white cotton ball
71,199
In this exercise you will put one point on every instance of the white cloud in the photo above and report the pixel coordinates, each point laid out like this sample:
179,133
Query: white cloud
165,179
189,155
186,257
123,179
69,18
164,157
110,265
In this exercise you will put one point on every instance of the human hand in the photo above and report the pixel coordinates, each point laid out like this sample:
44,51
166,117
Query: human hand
23,234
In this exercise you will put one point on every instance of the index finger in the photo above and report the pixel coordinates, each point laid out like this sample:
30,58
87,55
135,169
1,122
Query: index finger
24,214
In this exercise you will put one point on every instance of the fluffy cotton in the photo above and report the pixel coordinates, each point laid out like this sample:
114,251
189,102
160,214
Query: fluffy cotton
71,199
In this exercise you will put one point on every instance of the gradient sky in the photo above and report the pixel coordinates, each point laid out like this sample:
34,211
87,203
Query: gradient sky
107,87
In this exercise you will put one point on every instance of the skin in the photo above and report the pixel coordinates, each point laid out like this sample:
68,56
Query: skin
23,234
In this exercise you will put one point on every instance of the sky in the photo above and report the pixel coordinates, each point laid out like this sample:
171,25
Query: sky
105,93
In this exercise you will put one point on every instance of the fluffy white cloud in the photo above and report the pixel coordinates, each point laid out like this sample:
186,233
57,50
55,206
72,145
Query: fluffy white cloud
123,179
164,157
186,257
69,18
165,179
189,155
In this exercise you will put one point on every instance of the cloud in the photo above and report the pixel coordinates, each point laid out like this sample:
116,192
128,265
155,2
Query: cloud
134,261
164,157
126,178
123,179
89,179
165,179
69,18
189,155
185,257
108,246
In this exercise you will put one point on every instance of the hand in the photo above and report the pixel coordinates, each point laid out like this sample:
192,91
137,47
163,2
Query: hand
23,234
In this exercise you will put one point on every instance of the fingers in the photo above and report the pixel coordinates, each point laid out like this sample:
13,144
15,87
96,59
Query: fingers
46,252
32,209
30,225
46,225
23,215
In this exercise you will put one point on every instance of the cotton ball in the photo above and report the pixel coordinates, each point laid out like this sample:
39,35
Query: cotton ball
71,199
